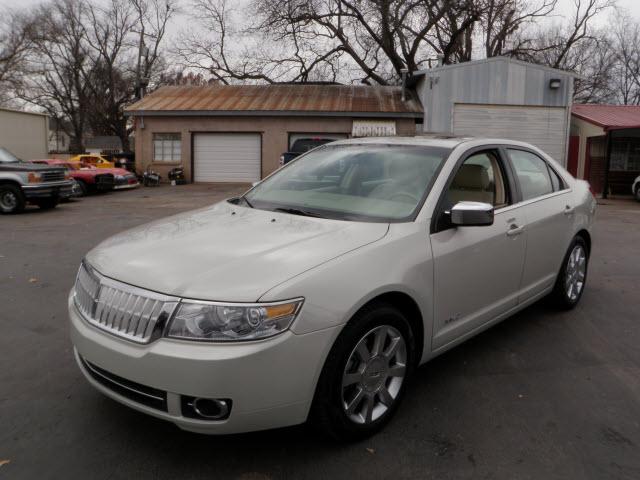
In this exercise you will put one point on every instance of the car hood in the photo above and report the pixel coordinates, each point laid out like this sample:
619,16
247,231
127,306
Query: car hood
225,252
28,167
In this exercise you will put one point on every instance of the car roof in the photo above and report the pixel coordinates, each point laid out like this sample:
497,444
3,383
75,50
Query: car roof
430,140
445,141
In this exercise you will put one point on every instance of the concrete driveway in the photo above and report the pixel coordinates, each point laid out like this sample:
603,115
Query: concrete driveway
542,395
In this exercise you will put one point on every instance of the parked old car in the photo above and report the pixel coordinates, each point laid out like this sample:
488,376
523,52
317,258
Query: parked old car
88,178
23,182
92,159
124,179
317,293
301,146
635,188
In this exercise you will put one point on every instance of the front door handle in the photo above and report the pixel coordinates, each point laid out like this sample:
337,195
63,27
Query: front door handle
569,210
515,230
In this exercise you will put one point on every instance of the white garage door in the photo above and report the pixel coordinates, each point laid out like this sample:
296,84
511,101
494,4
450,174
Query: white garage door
544,127
226,157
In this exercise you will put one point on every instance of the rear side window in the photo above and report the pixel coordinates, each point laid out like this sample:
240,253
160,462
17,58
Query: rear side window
557,182
532,172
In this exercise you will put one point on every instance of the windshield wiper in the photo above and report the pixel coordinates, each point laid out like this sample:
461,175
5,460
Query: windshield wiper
297,211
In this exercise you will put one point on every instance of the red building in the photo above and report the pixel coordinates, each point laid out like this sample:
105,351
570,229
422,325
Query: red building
604,146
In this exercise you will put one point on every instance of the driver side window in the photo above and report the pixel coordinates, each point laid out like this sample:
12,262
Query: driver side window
479,179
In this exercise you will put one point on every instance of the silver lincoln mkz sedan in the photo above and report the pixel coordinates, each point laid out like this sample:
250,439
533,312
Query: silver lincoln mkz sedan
318,292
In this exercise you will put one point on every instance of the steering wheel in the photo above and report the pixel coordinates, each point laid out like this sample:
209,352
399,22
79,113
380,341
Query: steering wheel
408,195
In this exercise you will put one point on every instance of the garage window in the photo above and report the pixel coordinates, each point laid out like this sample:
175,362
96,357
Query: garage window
167,147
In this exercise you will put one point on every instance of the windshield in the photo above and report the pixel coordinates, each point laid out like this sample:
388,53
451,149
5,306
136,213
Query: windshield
7,157
383,183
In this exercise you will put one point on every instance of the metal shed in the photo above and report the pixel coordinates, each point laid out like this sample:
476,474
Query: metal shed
499,97
25,134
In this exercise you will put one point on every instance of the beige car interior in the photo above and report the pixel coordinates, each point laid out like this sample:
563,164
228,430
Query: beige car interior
479,179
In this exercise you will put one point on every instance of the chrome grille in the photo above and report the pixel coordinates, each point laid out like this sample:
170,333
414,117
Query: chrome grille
53,176
105,179
120,309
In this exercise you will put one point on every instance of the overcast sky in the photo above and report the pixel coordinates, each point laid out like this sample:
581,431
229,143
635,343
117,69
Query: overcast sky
632,6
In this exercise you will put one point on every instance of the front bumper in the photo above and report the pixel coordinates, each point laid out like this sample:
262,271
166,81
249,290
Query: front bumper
48,190
271,383
125,186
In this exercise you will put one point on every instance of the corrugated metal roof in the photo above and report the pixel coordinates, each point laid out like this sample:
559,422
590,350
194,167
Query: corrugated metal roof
278,99
609,117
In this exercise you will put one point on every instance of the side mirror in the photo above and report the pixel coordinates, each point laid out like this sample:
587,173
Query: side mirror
472,214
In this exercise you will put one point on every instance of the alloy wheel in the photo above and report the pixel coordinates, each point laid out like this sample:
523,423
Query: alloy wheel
575,272
374,374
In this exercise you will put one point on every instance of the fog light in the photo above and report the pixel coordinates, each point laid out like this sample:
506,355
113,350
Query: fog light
206,408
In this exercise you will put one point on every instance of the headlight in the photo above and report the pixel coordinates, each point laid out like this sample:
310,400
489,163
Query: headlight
67,175
227,323
119,177
35,177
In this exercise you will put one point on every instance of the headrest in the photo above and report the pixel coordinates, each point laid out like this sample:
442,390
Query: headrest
471,177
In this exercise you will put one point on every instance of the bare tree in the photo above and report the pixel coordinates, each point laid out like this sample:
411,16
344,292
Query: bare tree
292,38
16,37
503,19
87,61
552,45
109,78
625,38
152,18
58,62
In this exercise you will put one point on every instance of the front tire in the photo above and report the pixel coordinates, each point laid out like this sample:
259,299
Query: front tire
637,192
84,189
11,199
573,275
365,375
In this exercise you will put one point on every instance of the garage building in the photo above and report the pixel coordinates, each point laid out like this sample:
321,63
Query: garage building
498,97
237,133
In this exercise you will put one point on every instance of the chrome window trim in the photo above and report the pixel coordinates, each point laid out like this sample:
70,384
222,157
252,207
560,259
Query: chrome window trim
532,200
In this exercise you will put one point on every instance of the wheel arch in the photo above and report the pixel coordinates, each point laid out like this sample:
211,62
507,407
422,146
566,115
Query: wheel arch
406,304
586,236
10,181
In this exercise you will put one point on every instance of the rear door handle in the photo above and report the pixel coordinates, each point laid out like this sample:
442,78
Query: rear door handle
569,210
515,230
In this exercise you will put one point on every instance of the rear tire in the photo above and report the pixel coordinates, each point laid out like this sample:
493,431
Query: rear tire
637,193
573,275
11,198
47,203
365,375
